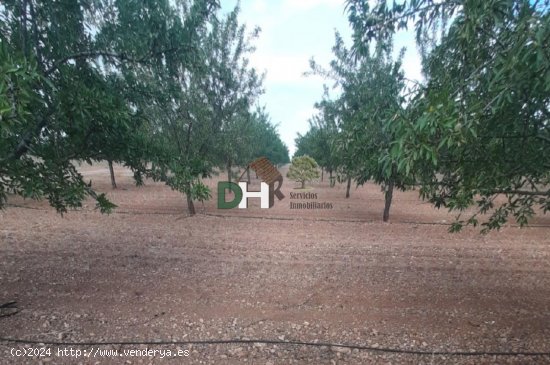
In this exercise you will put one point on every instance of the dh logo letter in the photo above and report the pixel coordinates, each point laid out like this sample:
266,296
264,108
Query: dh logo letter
263,194
236,189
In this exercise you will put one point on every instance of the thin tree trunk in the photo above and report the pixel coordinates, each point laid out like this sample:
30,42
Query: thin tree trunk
112,172
303,184
229,170
322,174
190,205
348,186
388,197
248,174
24,28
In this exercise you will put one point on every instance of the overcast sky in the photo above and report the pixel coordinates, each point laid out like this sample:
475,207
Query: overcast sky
293,31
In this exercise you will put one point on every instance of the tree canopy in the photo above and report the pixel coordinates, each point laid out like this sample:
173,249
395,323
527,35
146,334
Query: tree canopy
162,87
478,128
357,134
67,92
476,132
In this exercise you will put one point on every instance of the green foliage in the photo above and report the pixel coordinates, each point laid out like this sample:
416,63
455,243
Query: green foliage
317,142
201,192
265,140
103,204
355,135
478,128
237,88
69,94
163,87
199,110
303,169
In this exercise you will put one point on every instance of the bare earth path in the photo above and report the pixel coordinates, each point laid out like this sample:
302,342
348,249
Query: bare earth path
149,272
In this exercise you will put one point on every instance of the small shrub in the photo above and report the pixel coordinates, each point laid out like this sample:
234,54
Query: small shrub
302,169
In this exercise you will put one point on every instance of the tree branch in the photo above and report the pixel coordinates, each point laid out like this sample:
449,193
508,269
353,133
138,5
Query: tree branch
108,54
24,144
522,192
36,36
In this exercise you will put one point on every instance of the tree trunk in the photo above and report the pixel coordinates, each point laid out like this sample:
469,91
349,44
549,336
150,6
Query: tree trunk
112,171
388,197
348,186
322,174
190,205
248,174
229,170
303,184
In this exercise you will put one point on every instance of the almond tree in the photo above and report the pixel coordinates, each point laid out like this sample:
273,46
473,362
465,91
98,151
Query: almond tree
200,110
235,88
479,127
371,85
65,95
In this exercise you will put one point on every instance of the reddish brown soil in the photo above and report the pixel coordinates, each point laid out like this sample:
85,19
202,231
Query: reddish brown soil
150,272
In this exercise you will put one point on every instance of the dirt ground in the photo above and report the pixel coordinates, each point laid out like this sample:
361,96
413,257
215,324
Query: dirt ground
148,272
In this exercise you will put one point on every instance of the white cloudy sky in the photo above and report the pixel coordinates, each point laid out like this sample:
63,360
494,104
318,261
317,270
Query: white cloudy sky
293,31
